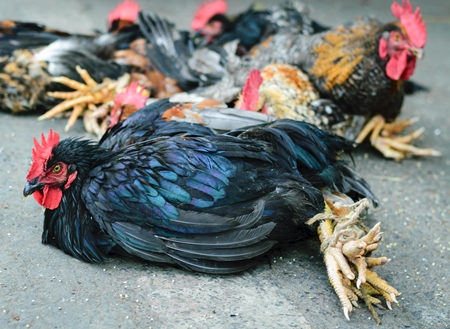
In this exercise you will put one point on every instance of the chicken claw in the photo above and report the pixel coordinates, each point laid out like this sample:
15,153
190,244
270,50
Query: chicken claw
86,95
96,120
346,246
384,139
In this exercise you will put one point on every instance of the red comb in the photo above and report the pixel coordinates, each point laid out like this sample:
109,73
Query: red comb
412,22
127,11
134,94
250,93
41,153
206,11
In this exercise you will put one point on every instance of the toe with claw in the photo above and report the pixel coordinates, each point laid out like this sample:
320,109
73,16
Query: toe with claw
383,137
86,96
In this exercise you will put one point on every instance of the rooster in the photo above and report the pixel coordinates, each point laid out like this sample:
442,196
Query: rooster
81,71
177,193
361,67
252,26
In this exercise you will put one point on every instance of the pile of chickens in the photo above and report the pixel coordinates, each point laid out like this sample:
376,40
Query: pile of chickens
219,143
350,80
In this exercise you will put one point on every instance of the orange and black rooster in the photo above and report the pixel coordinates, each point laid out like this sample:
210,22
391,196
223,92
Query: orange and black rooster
177,193
361,67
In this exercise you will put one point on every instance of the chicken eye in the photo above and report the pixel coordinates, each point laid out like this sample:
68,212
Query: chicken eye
57,168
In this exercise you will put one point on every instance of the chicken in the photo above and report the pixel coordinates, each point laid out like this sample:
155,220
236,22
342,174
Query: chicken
28,72
123,16
284,91
361,67
23,78
44,64
252,26
95,99
177,193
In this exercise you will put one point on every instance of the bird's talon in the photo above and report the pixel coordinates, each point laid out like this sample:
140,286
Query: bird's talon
346,247
69,83
85,96
389,305
346,313
384,138
393,297
86,77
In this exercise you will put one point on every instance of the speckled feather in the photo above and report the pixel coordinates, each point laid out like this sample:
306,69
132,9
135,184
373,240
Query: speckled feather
287,92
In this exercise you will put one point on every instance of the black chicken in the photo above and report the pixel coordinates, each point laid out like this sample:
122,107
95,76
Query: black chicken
253,25
206,202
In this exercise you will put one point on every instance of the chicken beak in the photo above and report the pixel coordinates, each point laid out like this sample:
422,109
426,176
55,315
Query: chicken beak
32,187
418,52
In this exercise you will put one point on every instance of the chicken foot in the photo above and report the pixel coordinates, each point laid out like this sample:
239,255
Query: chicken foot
383,138
95,119
86,95
347,245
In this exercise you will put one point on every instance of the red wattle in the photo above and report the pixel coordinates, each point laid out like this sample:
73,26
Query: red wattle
49,198
410,67
397,65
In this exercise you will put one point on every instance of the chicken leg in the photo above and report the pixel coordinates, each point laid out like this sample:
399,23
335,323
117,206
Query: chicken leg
396,147
86,95
346,246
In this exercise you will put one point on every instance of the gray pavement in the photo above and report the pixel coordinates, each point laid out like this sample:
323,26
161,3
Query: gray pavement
41,287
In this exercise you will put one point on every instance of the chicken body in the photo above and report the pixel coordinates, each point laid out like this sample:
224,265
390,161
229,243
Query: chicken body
193,187
23,79
39,54
285,92
177,193
253,25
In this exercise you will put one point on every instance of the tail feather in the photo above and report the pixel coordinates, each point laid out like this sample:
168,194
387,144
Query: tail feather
168,56
26,35
357,187
314,153
181,59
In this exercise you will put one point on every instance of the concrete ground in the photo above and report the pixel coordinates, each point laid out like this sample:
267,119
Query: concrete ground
41,287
